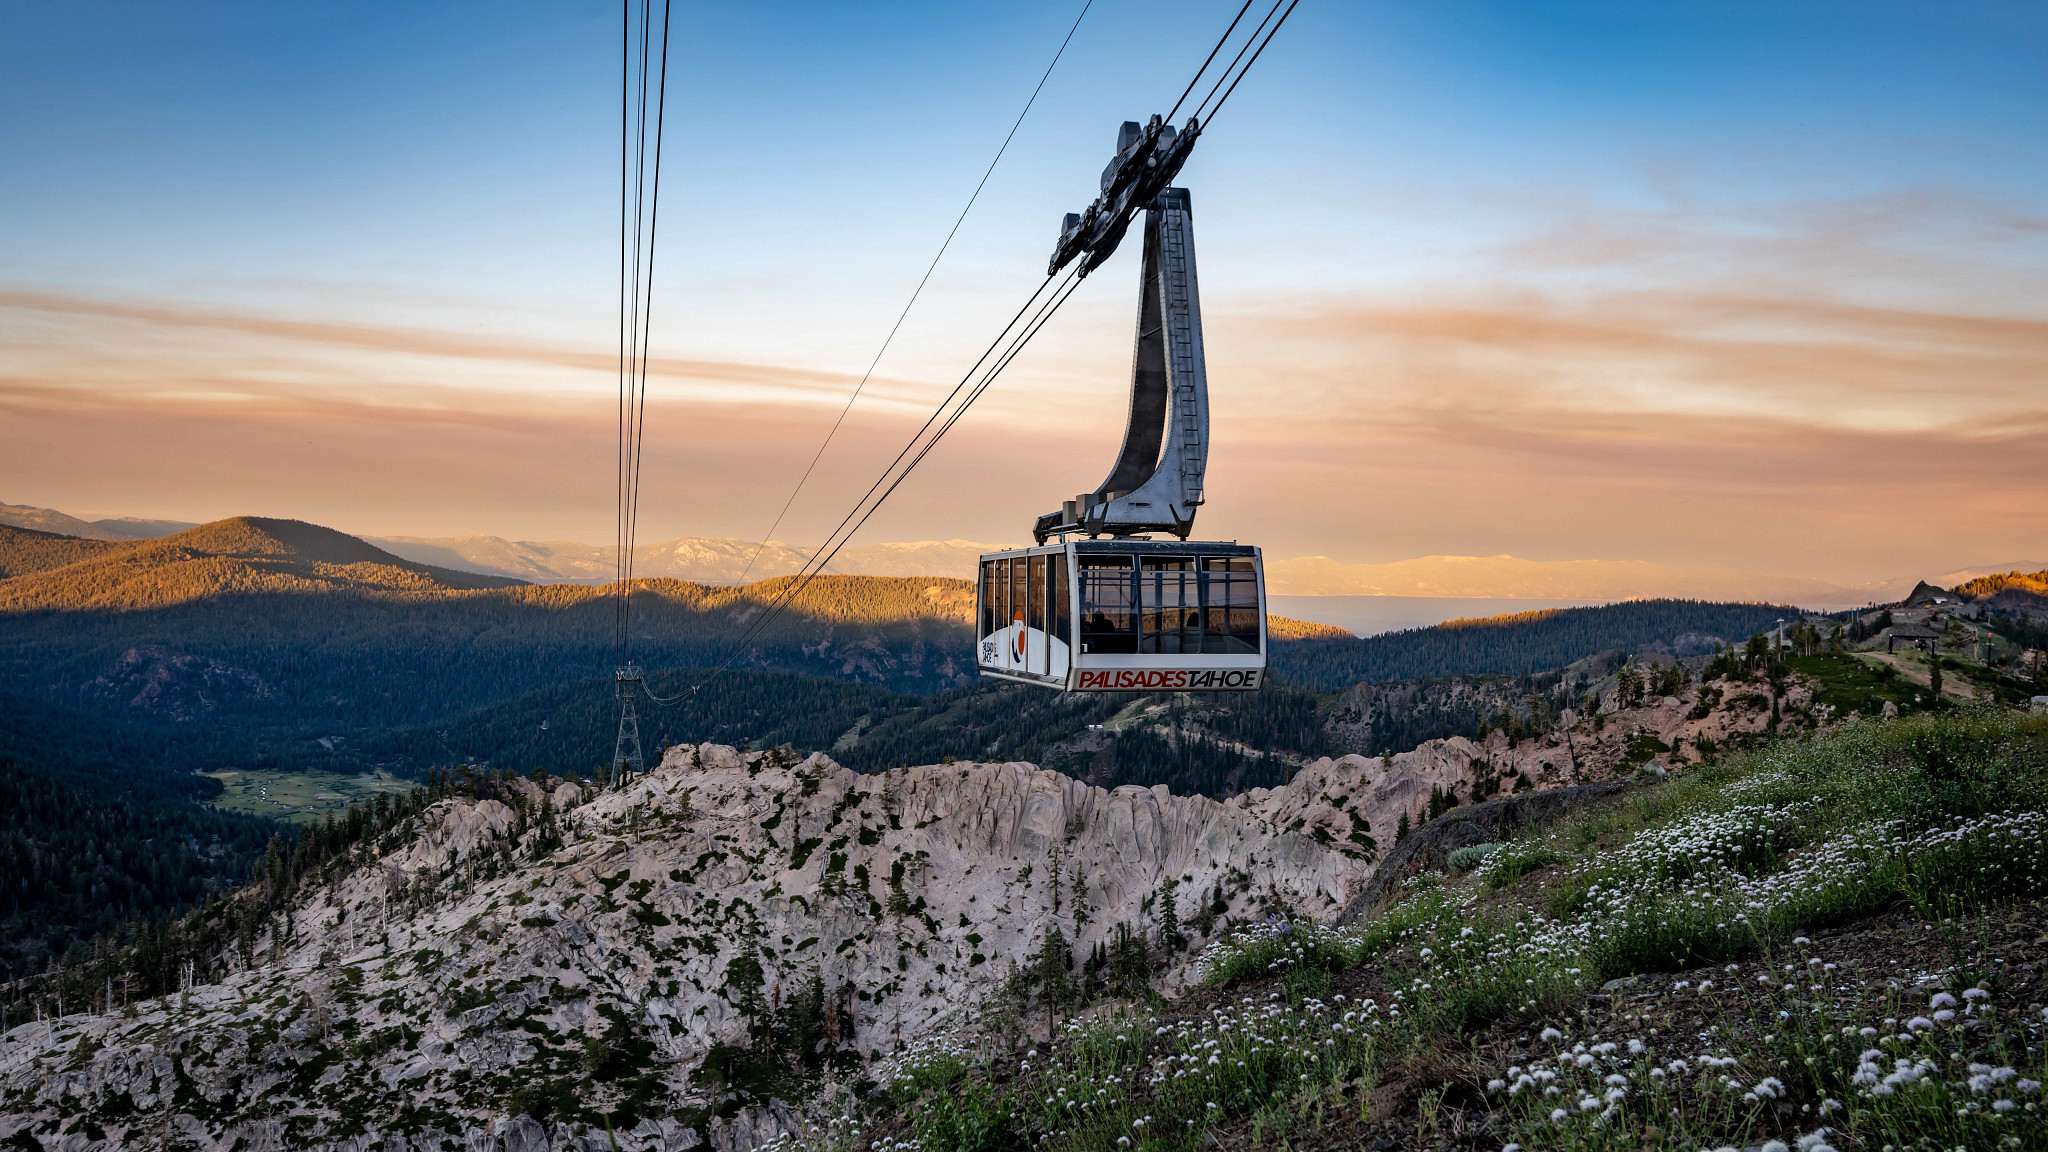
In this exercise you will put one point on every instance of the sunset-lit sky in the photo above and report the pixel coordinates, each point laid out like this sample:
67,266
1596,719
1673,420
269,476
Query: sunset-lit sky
1755,285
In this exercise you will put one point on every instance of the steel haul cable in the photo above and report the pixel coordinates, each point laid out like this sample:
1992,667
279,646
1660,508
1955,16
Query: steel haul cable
842,532
919,445
915,293
639,217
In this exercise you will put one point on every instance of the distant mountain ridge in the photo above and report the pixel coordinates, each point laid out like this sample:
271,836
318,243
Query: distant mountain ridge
117,528
696,558
240,555
729,560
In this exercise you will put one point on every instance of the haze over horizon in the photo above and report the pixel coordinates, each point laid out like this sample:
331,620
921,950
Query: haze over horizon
1430,587
1739,287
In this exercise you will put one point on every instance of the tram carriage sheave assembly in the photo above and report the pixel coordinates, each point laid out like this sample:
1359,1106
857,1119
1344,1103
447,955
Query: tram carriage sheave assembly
1130,613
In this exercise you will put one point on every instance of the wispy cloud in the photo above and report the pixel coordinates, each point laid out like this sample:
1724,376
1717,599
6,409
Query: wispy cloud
1814,395
426,342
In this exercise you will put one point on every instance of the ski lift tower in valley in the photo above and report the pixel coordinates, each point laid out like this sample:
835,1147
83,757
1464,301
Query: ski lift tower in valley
1115,597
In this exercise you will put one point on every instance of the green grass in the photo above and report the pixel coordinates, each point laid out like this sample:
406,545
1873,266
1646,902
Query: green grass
301,797
1858,684
1712,875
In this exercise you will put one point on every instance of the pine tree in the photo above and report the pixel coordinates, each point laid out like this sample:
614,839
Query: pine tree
1049,970
742,989
1129,962
1170,938
1401,829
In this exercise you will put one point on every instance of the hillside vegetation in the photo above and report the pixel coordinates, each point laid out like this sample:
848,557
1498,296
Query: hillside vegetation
2009,588
241,556
1832,943
277,623
1524,641
277,644
25,550
94,834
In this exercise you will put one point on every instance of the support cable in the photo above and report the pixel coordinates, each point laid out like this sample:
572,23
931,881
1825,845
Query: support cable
1255,58
915,293
921,444
1220,42
647,330
639,218
1232,66
916,447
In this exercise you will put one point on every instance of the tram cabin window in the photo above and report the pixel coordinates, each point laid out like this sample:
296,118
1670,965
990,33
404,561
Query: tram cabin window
1170,605
1109,620
1014,610
1062,612
1230,596
1035,616
989,568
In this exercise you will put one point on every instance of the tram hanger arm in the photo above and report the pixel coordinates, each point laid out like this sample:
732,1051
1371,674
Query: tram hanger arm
1146,161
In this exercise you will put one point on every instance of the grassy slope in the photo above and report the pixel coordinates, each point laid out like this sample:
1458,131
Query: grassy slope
1745,952
300,797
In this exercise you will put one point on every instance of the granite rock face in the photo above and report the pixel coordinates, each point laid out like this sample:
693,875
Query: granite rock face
401,1001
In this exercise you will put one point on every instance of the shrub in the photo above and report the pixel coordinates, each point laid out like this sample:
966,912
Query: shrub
970,1118
1471,856
1505,868
1669,934
1279,946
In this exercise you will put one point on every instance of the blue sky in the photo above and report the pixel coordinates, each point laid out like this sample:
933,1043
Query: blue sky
1396,213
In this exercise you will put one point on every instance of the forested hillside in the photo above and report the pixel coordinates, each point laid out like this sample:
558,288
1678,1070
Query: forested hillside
25,550
1524,641
247,554
94,832
277,644
287,626
1226,748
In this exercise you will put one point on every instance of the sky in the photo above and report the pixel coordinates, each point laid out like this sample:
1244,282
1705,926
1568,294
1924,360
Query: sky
1750,285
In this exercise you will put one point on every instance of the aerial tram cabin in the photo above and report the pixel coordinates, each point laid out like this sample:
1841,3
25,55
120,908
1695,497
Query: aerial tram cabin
1124,616
1100,605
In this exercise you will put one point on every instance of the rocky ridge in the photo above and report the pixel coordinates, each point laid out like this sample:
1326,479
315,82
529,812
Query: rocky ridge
411,999
422,988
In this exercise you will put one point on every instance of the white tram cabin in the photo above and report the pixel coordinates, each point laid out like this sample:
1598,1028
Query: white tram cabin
1124,616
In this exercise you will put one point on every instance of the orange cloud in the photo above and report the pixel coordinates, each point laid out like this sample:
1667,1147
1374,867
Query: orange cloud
387,339
1761,430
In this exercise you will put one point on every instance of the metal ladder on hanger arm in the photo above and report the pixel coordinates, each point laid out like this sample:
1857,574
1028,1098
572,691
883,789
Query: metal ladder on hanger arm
1156,483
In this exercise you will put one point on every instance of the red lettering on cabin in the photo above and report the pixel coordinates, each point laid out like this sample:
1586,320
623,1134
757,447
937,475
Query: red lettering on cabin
1160,679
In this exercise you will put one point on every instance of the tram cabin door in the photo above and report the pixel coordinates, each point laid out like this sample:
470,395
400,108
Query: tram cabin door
1025,628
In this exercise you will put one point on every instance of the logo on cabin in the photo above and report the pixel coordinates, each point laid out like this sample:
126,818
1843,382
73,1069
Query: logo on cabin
1017,638
1156,679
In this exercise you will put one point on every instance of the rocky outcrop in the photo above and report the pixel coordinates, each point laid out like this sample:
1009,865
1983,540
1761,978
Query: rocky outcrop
1490,822
401,1001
